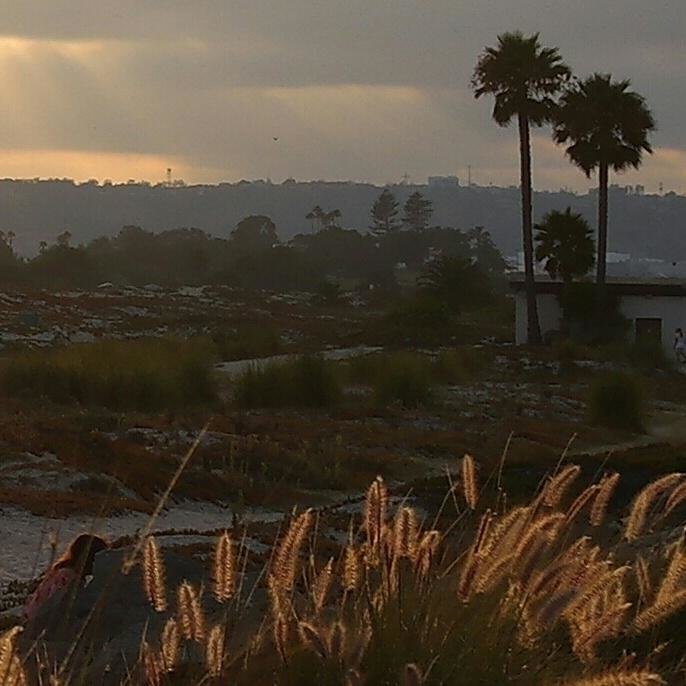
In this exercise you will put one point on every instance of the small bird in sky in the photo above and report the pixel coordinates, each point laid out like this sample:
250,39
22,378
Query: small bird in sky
275,139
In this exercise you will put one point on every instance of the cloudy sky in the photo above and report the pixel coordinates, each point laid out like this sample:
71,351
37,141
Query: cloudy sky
352,89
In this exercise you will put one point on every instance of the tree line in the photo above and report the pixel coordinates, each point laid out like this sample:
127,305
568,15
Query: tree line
253,257
603,124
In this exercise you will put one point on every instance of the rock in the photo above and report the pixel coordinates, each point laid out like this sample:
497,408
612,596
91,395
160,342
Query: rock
110,615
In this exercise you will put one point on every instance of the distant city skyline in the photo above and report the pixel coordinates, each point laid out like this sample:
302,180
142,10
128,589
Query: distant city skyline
221,90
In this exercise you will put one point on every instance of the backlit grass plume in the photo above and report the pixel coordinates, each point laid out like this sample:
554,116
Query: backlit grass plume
154,577
470,486
190,613
224,572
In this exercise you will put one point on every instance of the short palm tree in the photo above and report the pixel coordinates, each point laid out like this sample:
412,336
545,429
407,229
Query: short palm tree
524,78
606,126
565,241
457,281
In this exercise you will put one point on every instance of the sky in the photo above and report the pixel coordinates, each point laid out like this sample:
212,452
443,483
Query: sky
350,90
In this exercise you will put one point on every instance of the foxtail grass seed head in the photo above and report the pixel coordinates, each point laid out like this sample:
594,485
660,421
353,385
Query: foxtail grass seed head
470,486
558,485
676,499
152,666
606,490
224,571
640,510
11,671
659,612
675,578
376,512
322,586
644,580
154,577
426,553
214,651
352,569
191,615
285,564
405,533
581,501
171,645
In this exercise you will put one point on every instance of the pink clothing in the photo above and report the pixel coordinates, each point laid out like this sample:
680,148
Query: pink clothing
55,580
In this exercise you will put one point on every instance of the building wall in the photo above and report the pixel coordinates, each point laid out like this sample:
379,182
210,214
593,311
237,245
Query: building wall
549,315
671,310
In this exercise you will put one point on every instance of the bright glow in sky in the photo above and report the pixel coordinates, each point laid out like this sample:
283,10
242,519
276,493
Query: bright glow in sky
352,90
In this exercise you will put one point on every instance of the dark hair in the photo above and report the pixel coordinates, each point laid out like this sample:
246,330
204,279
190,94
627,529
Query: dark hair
80,554
679,331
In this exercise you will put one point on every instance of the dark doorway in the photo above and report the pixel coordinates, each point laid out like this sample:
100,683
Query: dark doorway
648,330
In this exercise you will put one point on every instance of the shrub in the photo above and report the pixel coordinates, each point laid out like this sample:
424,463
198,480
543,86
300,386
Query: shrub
248,342
589,319
307,381
404,378
418,320
617,402
147,375
457,282
459,365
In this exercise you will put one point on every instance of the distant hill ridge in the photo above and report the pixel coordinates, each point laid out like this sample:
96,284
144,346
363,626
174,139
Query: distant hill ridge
643,225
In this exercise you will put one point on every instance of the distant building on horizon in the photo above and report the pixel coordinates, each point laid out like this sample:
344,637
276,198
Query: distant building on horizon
444,182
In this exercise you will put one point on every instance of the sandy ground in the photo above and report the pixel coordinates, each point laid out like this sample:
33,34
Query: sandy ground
27,540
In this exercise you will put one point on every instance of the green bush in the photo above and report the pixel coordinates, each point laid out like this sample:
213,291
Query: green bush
422,319
145,375
459,365
303,382
248,342
617,402
404,378
589,319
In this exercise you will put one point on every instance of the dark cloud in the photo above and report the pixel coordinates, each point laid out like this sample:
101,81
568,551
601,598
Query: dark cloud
362,89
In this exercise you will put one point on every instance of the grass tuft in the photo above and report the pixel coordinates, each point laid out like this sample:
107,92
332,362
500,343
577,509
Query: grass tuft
303,382
148,375
617,402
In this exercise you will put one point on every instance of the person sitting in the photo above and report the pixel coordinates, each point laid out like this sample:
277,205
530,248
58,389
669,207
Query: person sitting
71,569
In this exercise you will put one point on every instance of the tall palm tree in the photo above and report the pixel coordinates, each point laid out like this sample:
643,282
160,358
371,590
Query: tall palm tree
524,78
607,127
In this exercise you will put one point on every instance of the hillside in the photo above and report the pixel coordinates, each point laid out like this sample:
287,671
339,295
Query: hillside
39,210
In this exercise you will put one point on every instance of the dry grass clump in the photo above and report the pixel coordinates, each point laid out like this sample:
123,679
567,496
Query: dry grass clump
145,375
536,595
306,381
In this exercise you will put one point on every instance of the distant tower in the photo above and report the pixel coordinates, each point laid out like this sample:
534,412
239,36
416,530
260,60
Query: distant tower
469,175
169,176
405,179
661,188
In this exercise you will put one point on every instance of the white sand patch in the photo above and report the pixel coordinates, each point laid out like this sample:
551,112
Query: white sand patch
27,539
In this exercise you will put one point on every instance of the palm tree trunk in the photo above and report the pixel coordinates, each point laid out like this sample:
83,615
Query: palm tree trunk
601,268
533,326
